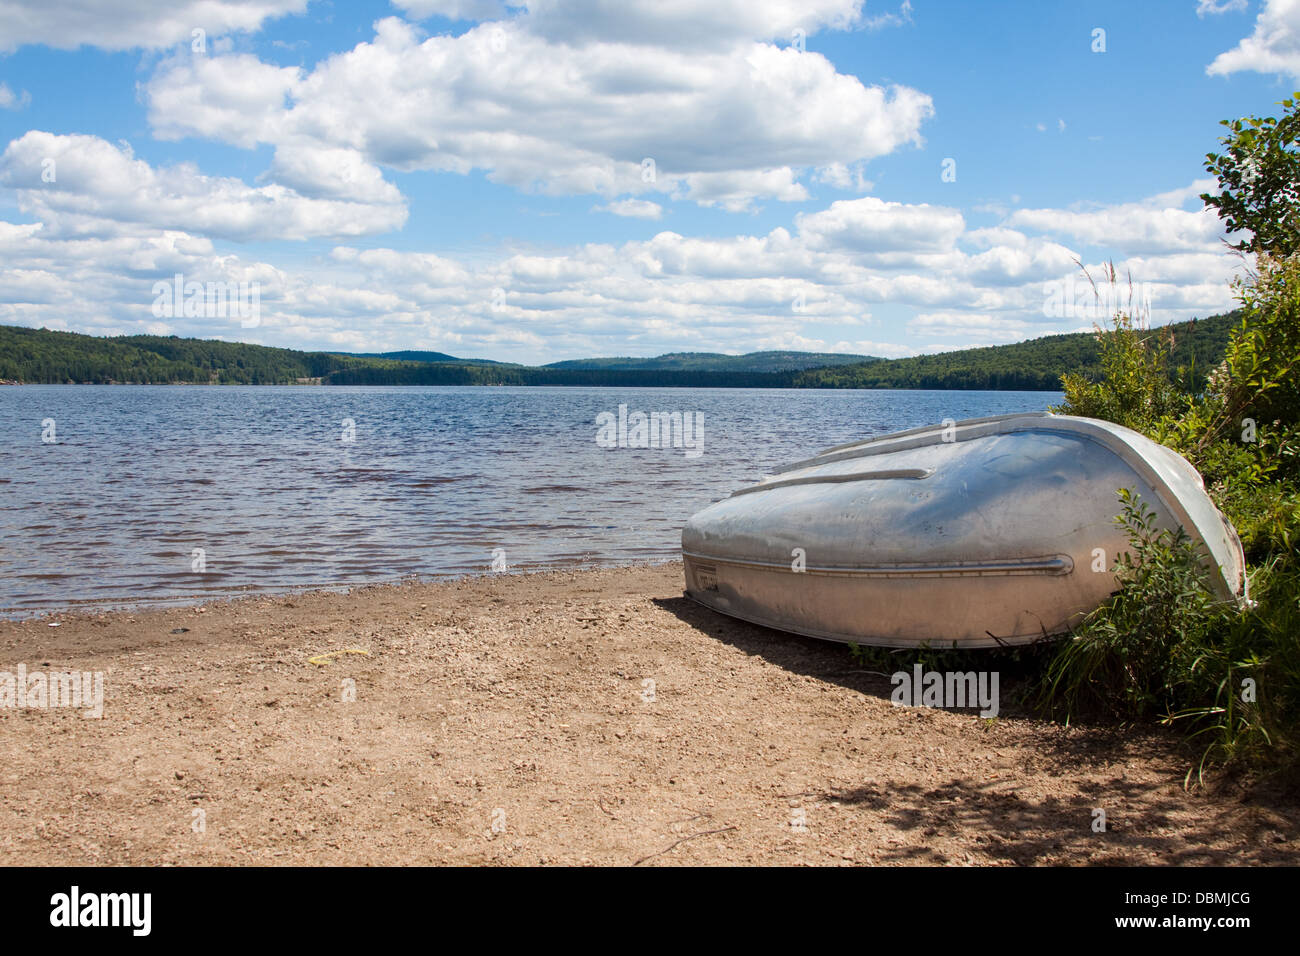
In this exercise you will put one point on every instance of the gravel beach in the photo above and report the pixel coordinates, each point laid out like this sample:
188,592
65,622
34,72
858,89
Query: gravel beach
585,717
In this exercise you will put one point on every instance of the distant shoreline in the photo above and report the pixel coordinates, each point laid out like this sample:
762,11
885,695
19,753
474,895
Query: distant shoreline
42,356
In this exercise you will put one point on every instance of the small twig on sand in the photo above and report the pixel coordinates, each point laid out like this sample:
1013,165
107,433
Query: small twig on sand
683,840
696,817
600,802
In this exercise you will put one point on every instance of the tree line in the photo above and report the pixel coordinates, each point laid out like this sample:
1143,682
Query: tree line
41,356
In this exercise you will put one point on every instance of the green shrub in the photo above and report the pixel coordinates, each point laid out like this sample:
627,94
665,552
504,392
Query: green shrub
1162,647
1247,677
1134,656
1137,388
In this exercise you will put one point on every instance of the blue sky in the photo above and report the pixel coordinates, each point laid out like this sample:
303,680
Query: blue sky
469,177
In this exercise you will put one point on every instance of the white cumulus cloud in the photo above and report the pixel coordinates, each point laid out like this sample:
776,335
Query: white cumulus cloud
131,24
1273,47
83,185
723,126
634,208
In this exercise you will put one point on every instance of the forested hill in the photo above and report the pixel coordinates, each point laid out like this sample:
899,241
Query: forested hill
718,362
409,355
41,356
1037,364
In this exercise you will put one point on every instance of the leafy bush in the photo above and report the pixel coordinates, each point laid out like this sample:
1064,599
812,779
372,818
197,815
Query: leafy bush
1162,646
1137,655
1259,181
1247,677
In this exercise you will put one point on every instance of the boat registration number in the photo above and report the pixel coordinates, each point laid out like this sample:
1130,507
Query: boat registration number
706,579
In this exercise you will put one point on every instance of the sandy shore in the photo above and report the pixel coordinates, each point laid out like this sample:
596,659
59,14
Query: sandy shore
511,719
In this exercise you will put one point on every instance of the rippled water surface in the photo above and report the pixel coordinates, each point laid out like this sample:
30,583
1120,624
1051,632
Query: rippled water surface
262,480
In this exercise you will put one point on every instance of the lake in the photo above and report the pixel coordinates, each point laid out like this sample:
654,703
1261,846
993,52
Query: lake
130,495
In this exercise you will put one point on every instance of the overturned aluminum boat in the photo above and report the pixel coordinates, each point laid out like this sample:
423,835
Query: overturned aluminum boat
986,532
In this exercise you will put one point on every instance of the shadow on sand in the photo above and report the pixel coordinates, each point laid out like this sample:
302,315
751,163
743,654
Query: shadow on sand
1017,825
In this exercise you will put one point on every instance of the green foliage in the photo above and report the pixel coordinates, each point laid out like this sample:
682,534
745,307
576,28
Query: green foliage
42,356
1261,375
934,657
1259,181
1161,646
1246,677
1136,388
772,361
1265,514
410,373
1135,656
1018,667
1164,647
1038,364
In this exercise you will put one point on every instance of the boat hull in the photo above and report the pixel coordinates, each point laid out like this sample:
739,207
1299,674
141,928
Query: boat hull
990,532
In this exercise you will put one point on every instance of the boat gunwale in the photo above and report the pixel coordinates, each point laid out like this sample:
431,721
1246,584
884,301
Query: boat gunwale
1053,565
